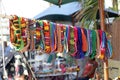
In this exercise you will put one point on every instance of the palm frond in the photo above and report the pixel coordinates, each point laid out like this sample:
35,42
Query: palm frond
88,12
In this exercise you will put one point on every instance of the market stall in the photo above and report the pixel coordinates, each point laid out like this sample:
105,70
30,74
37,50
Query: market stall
63,43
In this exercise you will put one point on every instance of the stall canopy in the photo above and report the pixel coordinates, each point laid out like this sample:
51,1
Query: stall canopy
63,13
108,14
58,2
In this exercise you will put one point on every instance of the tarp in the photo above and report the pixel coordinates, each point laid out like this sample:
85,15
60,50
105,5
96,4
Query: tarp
56,2
62,13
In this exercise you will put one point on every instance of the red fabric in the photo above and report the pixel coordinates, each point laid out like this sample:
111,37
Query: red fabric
89,69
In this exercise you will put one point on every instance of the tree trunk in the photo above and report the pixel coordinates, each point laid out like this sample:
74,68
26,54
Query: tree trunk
115,5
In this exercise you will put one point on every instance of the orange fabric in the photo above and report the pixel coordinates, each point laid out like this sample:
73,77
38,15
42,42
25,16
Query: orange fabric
55,46
47,37
58,38
84,41
59,45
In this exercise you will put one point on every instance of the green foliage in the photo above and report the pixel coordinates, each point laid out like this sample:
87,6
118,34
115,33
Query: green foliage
88,13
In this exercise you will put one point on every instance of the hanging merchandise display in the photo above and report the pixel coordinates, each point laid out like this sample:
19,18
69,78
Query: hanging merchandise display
18,32
38,35
94,39
84,40
52,37
103,46
71,42
80,53
47,38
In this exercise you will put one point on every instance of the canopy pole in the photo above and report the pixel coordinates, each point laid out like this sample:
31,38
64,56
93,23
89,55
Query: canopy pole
2,43
102,24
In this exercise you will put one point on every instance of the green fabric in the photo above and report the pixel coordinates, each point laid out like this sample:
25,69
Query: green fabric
22,42
63,1
42,45
19,43
71,41
94,44
51,57
70,60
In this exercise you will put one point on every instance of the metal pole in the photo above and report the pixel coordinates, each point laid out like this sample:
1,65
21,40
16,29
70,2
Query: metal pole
102,24
2,41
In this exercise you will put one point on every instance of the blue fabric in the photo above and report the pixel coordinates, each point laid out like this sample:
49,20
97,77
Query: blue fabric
52,30
103,40
80,53
90,42
109,49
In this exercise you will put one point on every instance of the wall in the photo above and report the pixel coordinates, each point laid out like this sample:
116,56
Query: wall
114,30
114,68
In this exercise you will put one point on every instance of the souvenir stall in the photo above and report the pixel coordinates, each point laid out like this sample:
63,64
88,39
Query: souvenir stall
63,44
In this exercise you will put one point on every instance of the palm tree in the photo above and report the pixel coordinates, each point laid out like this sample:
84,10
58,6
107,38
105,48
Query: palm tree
115,5
87,15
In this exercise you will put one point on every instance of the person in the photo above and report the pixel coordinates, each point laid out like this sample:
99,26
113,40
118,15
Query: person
7,48
89,69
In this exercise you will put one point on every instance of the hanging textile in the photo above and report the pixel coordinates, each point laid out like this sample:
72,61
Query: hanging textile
71,42
59,38
84,41
75,41
39,41
59,45
98,44
109,49
47,39
102,37
18,32
65,42
53,36
94,44
80,53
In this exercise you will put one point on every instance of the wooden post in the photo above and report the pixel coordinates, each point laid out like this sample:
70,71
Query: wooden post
102,24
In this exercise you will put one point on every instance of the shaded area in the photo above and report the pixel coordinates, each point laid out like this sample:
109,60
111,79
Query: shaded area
63,13
108,14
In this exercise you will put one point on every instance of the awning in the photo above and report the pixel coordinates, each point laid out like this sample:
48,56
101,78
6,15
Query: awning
56,2
62,13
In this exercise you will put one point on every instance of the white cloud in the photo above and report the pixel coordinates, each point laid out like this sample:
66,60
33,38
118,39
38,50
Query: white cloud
24,8
108,3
